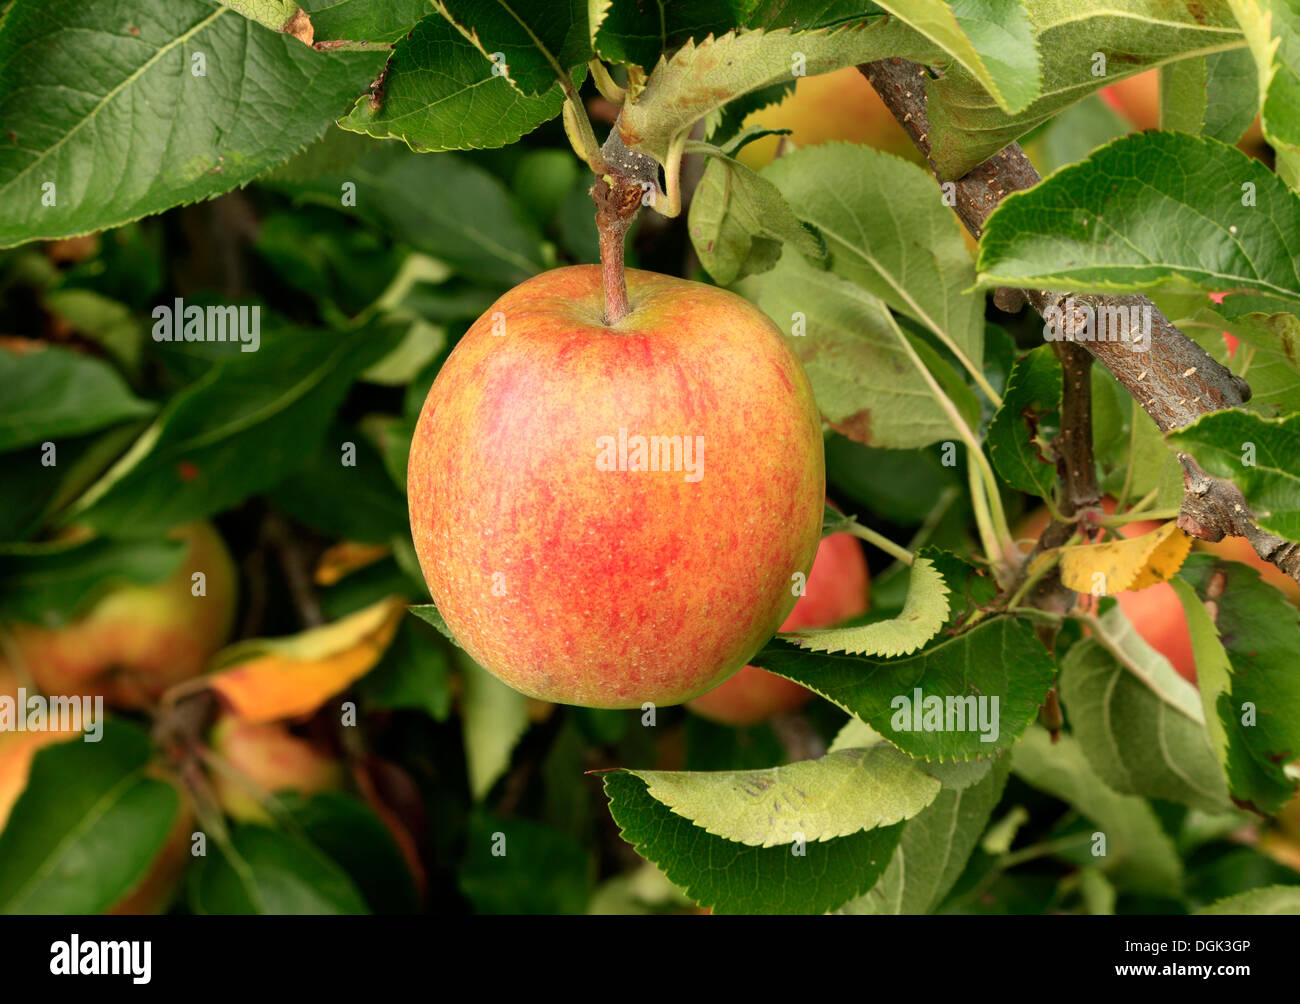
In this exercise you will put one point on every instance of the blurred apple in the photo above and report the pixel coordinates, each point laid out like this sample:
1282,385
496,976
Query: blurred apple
832,106
1137,98
138,640
836,590
271,759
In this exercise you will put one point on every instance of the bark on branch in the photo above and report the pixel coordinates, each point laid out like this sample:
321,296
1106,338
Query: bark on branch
1175,380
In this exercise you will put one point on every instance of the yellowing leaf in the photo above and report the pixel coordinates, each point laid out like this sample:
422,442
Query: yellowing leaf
1134,563
268,679
344,558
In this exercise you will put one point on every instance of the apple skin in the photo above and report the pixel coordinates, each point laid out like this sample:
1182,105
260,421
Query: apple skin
139,639
836,591
840,105
273,759
597,587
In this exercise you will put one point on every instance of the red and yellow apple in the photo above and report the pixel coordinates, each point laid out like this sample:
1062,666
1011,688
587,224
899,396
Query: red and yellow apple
608,515
265,757
138,639
836,591
840,105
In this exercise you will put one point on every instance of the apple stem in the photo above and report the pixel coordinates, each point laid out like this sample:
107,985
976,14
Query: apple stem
617,201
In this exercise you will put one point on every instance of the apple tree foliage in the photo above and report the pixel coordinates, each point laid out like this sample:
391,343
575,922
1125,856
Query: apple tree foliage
373,176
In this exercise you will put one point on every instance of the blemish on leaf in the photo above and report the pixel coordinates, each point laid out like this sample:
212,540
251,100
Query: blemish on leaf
300,27
857,427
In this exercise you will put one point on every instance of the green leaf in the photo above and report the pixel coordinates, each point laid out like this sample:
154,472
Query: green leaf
414,673
376,509
813,800
1213,670
516,866
87,827
1021,453
430,615
441,94
1271,357
1149,209
1271,328
355,838
271,872
1075,133
50,582
30,492
888,231
1275,901
1272,30
364,20
867,384
966,124
1260,713
1212,95
739,222
935,848
273,14
702,76
538,40
133,131
639,33
731,877
1137,850
194,461
992,41
999,659
55,393
923,615
444,206
494,718
1129,447
1137,743
1261,455
1122,640
106,321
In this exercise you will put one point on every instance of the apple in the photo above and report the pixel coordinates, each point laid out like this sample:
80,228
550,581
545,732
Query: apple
139,639
608,515
840,105
270,759
1136,98
836,591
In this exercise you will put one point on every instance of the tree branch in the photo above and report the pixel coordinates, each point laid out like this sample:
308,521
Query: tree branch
1174,380
1074,448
